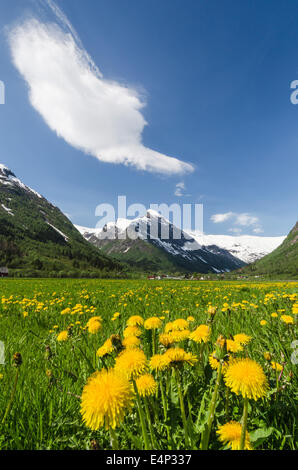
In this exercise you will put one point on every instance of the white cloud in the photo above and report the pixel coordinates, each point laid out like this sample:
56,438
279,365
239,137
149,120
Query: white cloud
246,220
180,187
240,219
258,230
218,218
100,117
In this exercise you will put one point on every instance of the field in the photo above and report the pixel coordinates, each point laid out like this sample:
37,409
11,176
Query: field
100,364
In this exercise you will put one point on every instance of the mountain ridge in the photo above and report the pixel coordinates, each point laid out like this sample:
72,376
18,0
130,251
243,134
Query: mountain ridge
36,238
283,261
195,252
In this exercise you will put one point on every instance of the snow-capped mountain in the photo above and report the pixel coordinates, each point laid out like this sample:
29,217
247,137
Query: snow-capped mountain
36,237
8,178
248,248
193,251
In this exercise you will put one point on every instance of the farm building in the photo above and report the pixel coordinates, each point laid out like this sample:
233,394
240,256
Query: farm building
3,272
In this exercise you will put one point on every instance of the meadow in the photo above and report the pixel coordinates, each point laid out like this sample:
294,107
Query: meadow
137,364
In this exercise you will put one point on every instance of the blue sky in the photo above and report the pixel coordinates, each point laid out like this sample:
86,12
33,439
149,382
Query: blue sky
215,77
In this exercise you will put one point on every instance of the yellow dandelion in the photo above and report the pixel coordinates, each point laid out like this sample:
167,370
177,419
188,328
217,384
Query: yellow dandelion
152,323
63,336
135,320
214,362
233,346
159,362
267,356
178,336
115,316
276,366
105,349
230,433
94,324
131,362
146,385
212,310
178,356
274,315
166,339
287,319
132,331
168,327
242,338
263,322
131,342
190,319
202,333
105,399
179,324
246,377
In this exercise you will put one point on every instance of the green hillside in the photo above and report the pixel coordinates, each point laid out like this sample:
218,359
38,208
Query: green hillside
37,239
282,262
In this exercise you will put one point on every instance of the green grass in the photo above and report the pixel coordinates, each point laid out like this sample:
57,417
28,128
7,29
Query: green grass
45,413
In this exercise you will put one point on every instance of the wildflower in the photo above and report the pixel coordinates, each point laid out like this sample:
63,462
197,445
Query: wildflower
242,338
159,362
214,362
233,346
177,336
166,339
131,342
65,311
115,316
168,327
263,322
274,315
105,349
146,385
132,362
152,323
190,319
287,319
246,377
212,310
94,325
202,333
178,356
105,399
276,366
230,433
267,356
63,336
135,320
132,331
179,324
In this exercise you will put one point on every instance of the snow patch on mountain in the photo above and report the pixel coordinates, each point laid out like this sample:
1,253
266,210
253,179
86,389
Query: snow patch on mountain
7,209
59,231
248,248
8,178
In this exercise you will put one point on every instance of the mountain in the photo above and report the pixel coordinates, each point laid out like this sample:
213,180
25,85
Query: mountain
247,248
36,238
165,251
192,252
283,261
